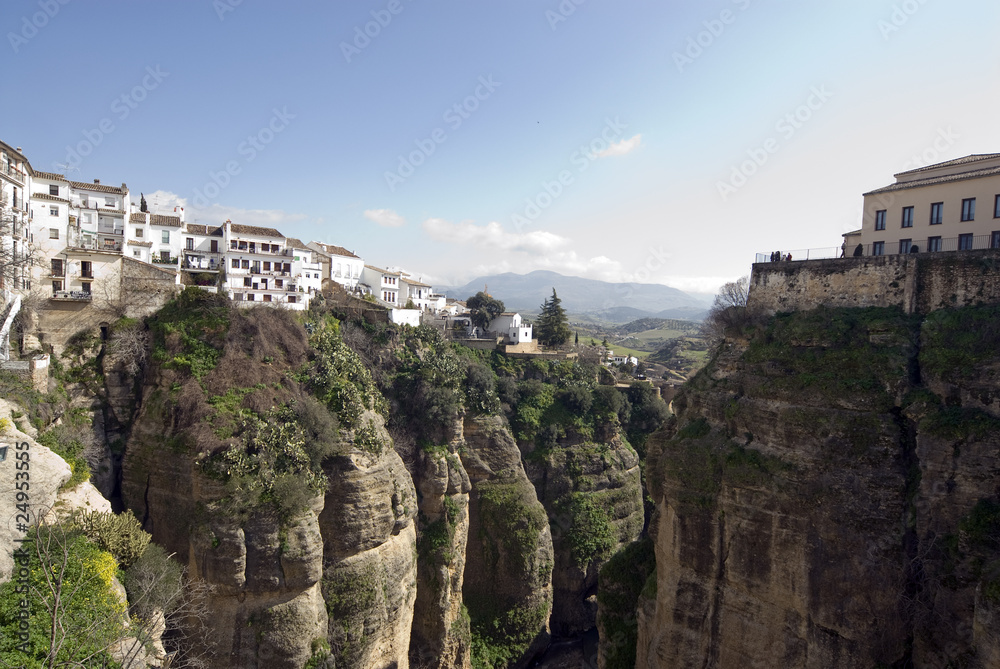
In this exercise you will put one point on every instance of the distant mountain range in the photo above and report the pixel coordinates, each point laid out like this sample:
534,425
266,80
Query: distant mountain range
598,300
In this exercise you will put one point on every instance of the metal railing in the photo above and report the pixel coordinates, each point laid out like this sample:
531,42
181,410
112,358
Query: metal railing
893,247
13,173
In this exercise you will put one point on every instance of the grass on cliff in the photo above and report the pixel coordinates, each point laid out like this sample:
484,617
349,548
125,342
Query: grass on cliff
699,460
834,353
957,343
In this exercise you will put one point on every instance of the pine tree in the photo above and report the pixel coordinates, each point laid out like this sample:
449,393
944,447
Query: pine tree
576,342
142,203
553,326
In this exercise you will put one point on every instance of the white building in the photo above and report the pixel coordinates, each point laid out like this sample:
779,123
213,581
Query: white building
259,267
382,283
15,232
307,266
421,294
510,325
344,266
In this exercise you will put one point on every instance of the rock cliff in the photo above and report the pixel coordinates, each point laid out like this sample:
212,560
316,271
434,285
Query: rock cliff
828,497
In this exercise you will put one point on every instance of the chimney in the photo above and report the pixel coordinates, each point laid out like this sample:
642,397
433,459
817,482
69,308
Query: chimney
19,150
97,181
124,187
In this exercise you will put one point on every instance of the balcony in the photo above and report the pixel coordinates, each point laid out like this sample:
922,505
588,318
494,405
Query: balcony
71,296
160,260
93,246
892,247
12,172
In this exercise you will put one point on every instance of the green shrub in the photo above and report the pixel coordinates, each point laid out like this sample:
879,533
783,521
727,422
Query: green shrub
119,534
621,582
590,535
71,580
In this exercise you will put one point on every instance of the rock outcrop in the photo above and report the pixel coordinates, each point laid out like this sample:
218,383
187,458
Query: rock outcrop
592,493
509,561
816,505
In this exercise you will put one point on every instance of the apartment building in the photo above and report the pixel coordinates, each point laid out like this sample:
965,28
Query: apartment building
950,206
259,267
382,283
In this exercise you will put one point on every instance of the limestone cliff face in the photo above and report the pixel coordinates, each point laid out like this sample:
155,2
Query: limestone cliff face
509,560
369,564
816,506
441,635
592,493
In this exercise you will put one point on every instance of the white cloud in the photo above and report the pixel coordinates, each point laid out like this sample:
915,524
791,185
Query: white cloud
163,202
493,236
708,285
622,147
387,218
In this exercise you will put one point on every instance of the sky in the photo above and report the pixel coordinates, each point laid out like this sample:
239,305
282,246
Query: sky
623,140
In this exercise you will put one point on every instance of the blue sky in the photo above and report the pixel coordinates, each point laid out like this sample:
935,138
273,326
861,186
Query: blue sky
595,138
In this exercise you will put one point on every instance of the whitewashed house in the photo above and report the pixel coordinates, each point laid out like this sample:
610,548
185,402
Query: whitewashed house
307,266
382,283
345,267
511,326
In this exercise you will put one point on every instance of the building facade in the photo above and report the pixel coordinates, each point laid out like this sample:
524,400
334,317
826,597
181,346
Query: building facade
950,206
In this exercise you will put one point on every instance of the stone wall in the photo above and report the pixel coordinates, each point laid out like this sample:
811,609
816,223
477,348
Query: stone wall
918,282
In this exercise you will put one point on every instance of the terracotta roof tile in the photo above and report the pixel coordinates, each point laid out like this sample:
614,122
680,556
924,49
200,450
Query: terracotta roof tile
50,175
167,221
293,243
931,181
974,158
48,198
335,250
255,230
98,188
199,229
136,242
137,217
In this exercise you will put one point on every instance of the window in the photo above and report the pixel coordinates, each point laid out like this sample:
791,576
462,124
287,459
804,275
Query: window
267,298
995,240
250,297
969,209
215,246
279,283
87,269
288,267
904,245
57,267
965,242
878,248
292,299
236,263
135,253
139,233
56,286
996,207
86,287
245,264
937,214
933,243
907,217
53,233
880,219
189,244
232,244
267,265
256,267
109,201
165,237
246,282
53,211
165,256
54,190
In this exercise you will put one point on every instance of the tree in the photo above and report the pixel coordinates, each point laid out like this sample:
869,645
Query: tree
142,203
553,326
576,341
483,308
729,312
